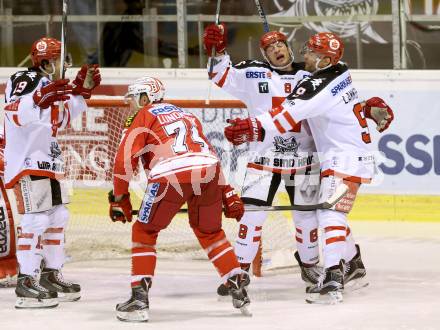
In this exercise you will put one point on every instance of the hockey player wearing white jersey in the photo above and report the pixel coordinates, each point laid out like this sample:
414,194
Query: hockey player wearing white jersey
34,167
262,85
334,112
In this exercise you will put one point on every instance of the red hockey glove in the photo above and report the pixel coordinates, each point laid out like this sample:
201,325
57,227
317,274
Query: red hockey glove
120,210
376,109
87,79
244,130
215,36
55,91
234,207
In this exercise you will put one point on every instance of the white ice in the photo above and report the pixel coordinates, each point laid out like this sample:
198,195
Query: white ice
403,265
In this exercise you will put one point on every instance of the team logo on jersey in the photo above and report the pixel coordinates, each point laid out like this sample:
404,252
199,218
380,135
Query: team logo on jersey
263,87
316,83
147,202
55,151
27,162
286,145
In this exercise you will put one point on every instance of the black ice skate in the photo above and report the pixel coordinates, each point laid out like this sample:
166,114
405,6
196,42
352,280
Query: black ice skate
223,289
53,280
309,274
30,294
136,308
354,275
237,290
329,291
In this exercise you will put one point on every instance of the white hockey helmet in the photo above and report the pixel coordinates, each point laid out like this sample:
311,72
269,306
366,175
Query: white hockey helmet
152,87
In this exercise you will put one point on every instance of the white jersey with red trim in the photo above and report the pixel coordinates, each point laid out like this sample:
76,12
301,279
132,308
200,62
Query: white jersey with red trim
261,88
170,143
330,103
30,132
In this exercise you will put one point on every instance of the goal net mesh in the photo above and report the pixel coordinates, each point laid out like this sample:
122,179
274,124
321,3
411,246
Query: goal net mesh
89,147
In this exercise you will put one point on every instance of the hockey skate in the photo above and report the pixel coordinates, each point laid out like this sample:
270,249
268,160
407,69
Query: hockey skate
30,294
309,274
52,280
329,290
237,290
355,273
223,289
136,308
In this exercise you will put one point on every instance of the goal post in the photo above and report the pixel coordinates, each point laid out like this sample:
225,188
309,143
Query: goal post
89,146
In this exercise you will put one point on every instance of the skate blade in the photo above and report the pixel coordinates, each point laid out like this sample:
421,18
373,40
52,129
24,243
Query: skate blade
135,316
356,285
69,297
245,311
23,303
331,298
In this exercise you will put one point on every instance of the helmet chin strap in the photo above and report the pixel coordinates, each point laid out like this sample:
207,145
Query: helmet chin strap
317,68
50,74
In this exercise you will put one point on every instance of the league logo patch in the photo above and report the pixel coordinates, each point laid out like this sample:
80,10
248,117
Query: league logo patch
286,145
263,87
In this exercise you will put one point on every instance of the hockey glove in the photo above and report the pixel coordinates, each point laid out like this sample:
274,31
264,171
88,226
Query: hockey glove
234,207
215,36
55,91
87,79
120,208
376,109
244,130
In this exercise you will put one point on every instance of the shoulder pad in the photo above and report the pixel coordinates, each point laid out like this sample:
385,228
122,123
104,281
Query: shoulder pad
309,86
252,64
130,119
24,82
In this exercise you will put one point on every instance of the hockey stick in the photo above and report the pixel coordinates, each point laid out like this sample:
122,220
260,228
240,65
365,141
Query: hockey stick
339,193
63,39
63,47
213,53
262,16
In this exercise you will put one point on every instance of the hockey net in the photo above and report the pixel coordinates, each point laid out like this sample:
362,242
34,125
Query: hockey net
89,147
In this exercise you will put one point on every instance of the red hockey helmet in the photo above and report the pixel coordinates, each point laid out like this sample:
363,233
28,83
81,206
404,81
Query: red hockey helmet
269,38
326,44
45,49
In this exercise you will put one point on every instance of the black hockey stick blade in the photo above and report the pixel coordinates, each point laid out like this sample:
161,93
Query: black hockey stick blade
339,193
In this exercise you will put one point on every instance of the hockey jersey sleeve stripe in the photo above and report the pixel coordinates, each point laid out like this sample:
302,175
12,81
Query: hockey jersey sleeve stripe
355,179
15,119
222,80
12,106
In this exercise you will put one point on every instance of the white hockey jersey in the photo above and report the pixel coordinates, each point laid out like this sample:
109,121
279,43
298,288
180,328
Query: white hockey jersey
261,88
330,103
30,132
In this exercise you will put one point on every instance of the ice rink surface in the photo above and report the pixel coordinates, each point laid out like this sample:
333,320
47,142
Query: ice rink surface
403,269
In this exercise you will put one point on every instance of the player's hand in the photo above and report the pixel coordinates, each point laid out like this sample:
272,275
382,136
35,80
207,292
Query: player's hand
215,36
120,207
233,205
87,79
53,92
244,130
376,109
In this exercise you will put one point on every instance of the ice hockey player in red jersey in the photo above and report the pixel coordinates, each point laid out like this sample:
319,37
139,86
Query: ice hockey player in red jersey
34,168
329,102
181,168
262,85
8,259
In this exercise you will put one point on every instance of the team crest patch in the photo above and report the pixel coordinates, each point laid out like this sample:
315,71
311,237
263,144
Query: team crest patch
41,46
286,145
55,151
